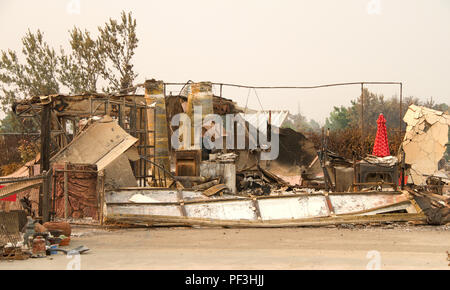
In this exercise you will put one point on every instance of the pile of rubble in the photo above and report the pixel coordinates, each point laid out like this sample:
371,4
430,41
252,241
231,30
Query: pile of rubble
35,240
126,159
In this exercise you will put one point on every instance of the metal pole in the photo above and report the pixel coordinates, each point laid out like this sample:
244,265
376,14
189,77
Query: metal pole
46,188
45,151
45,137
53,214
400,112
403,170
66,191
362,119
294,87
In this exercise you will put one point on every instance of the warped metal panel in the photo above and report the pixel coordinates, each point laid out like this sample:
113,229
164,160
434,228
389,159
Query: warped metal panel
347,203
288,206
390,208
14,188
167,210
232,210
293,208
99,144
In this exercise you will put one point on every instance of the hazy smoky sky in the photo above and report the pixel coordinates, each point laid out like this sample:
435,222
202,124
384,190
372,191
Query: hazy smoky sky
267,43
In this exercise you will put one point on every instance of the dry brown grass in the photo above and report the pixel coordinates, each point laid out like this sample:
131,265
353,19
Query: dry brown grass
346,141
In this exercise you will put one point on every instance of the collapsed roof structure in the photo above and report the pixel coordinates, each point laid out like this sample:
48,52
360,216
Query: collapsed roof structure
143,159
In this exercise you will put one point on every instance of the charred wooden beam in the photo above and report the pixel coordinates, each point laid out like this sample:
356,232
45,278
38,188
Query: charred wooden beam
45,152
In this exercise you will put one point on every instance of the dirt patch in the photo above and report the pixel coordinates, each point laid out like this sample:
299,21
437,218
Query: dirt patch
399,247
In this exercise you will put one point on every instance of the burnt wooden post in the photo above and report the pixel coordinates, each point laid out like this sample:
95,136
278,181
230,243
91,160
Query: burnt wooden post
45,137
362,119
66,190
402,186
46,197
400,115
44,208
101,206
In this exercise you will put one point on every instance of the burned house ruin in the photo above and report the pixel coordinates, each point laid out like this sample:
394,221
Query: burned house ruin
123,159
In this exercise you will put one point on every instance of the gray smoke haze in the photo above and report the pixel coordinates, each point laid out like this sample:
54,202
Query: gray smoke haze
259,42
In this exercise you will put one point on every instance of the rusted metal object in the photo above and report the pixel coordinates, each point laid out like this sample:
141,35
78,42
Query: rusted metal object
75,192
10,237
187,162
65,242
157,123
215,189
64,227
38,248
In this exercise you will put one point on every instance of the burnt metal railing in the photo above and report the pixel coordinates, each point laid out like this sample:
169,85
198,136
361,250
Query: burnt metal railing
20,184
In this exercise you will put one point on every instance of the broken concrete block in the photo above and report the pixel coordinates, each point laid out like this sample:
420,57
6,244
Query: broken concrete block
424,142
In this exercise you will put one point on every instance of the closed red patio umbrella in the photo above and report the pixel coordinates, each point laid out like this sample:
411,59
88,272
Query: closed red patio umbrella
381,146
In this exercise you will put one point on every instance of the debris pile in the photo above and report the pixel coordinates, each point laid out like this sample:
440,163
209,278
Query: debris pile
119,158
435,207
35,240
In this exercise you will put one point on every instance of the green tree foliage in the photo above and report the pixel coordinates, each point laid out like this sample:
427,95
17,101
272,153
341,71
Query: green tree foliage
430,103
109,57
301,124
35,77
17,149
314,126
89,60
10,123
80,70
374,105
339,118
118,42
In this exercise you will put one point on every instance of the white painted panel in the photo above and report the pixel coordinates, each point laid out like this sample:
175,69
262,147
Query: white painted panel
167,210
344,203
307,206
227,210
193,195
293,208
